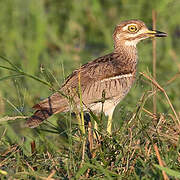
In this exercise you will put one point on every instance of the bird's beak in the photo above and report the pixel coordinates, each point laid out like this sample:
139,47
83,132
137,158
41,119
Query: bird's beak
153,33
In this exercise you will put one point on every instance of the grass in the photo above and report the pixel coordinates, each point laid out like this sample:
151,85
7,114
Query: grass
127,153
43,42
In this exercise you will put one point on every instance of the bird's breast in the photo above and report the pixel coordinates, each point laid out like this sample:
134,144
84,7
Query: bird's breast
113,88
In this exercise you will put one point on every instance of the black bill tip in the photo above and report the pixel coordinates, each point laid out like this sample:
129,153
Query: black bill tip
160,34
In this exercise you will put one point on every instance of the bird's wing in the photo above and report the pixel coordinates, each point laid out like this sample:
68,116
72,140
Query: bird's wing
102,68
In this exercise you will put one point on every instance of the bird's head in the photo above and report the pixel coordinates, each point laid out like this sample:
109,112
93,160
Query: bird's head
130,32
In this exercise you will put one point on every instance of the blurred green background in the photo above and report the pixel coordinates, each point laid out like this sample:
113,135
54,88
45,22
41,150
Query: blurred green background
57,36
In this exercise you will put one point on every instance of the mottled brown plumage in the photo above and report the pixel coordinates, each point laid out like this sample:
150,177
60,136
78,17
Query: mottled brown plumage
111,75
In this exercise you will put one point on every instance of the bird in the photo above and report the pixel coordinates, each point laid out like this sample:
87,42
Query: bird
104,81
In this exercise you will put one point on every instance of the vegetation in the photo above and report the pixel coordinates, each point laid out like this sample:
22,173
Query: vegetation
41,43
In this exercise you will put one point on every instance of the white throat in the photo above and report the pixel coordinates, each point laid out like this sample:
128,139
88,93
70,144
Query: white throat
131,43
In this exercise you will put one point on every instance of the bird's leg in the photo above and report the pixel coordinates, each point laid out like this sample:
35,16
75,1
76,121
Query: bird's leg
109,124
109,113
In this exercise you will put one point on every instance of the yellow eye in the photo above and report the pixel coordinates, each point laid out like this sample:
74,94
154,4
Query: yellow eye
132,28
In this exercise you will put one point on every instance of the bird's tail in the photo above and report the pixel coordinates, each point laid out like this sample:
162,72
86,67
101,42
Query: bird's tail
52,105
37,118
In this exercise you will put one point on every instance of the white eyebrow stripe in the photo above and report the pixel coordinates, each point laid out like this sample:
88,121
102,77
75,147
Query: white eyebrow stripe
117,77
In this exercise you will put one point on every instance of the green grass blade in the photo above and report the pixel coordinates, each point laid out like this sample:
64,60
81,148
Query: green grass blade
11,76
81,105
81,171
169,171
10,63
8,68
37,79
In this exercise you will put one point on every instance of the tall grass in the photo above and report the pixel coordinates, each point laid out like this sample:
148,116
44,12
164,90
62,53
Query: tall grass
43,42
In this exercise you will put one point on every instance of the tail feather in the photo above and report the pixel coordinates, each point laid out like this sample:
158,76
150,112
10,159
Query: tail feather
46,108
38,117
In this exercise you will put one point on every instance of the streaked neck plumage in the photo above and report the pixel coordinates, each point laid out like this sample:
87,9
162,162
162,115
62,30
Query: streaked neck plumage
128,54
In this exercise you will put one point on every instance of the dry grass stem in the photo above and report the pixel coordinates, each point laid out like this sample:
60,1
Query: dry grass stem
7,118
90,136
154,62
160,161
149,113
13,150
168,100
83,152
30,167
33,147
51,175
173,78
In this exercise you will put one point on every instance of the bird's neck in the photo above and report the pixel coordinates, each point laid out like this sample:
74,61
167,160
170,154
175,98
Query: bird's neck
127,50
128,56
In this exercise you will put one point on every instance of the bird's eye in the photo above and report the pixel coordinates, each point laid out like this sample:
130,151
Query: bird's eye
132,28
